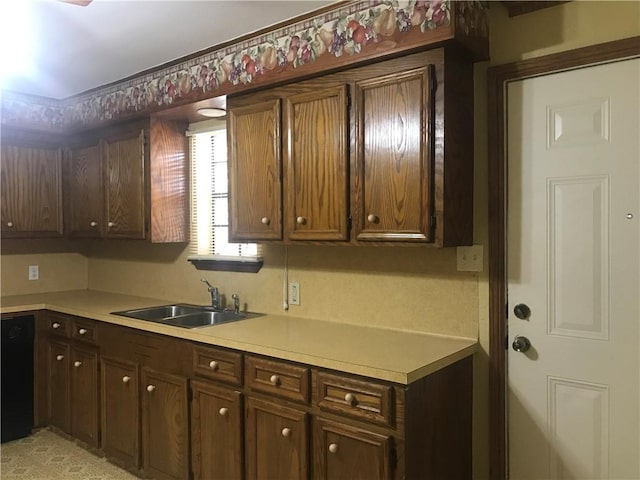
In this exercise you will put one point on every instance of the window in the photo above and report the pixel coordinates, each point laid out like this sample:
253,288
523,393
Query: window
210,246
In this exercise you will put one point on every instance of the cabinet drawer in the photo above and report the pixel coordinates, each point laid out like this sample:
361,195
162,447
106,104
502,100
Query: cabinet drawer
276,378
84,330
218,365
59,324
366,400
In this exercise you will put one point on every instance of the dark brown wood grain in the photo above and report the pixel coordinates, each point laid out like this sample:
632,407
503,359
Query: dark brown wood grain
31,187
41,369
165,425
58,356
217,364
84,395
169,182
345,452
497,79
277,441
281,379
217,432
316,165
84,191
255,170
120,411
125,188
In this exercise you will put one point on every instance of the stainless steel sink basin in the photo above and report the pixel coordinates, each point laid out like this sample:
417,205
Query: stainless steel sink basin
186,316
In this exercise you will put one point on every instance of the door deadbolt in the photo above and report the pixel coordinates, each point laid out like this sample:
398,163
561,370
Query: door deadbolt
521,344
522,311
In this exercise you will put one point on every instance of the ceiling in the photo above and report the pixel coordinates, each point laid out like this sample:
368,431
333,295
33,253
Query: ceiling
79,48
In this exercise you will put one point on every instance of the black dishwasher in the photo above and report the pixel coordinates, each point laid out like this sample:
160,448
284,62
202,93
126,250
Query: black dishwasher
17,377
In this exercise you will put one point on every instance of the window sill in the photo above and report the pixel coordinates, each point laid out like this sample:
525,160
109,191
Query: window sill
226,264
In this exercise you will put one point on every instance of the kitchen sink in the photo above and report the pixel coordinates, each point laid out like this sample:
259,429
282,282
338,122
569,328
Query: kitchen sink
186,316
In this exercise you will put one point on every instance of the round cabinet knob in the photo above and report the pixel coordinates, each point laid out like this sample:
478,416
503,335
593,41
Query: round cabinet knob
286,432
60,357
9,224
111,224
350,398
126,379
521,344
265,220
372,218
94,224
522,311
55,325
301,220
77,364
274,379
223,411
213,365
82,331
333,447
151,388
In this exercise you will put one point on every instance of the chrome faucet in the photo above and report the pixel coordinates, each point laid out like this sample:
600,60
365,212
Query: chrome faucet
236,303
215,295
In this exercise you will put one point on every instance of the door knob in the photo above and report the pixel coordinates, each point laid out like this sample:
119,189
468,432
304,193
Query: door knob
522,311
521,344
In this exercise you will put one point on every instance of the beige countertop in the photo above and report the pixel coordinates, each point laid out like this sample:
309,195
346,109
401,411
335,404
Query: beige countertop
386,354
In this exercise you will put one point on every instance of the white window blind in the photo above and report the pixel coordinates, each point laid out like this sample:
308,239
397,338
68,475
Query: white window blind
210,199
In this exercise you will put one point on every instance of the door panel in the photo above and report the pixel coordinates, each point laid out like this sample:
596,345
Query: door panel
58,360
85,188
84,395
573,258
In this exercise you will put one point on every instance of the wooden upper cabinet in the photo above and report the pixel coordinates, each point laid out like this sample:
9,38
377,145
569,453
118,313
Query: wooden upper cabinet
85,191
392,191
31,184
316,165
255,165
125,193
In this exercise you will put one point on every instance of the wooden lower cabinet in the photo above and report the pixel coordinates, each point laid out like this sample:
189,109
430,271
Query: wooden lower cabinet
277,440
58,356
165,425
120,411
84,395
344,452
216,432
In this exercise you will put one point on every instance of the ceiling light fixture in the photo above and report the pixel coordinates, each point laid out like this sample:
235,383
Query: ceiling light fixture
212,112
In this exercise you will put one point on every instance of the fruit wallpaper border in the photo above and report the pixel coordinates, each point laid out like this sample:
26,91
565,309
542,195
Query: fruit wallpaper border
346,31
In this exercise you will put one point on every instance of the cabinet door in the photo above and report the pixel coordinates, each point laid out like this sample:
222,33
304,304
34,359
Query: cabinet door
277,442
120,411
255,162
393,175
30,181
59,402
85,189
316,165
165,435
125,192
84,395
343,452
216,432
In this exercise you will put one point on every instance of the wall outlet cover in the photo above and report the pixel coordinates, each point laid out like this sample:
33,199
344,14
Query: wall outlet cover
294,293
470,259
34,272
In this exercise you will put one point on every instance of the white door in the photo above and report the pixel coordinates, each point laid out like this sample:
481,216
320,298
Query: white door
573,149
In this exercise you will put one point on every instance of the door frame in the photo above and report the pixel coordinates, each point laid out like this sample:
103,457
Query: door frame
497,79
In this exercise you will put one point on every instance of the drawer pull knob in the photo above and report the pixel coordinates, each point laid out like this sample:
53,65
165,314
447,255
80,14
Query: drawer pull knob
372,218
223,411
333,447
82,331
213,365
77,364
94,224
151,388
111,224
9,224
286,432
301,220
350,398
60,358
55,325
275,380
126,379
265,220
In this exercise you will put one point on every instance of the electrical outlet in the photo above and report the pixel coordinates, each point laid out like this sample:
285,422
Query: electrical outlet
34,272
469,259
294,293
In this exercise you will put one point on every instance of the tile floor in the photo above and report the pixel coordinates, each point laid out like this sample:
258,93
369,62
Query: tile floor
47,456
